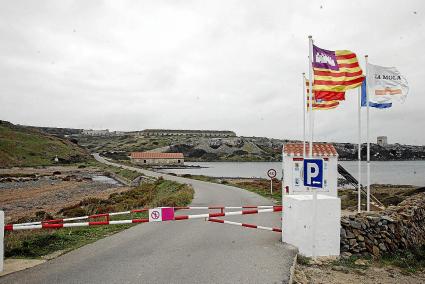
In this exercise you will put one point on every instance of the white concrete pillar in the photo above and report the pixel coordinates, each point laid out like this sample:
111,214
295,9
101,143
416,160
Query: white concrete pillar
1,240
297,224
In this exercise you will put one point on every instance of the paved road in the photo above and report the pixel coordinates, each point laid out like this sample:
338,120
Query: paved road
193,251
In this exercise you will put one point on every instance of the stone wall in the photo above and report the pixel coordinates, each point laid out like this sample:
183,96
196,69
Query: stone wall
398,227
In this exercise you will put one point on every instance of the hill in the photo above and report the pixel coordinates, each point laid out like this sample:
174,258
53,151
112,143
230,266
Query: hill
24,146
235,148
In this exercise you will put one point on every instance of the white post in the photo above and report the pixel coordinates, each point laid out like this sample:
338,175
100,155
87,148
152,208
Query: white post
310,85
368,142
304,110
310,91
359,165
1,240
271,186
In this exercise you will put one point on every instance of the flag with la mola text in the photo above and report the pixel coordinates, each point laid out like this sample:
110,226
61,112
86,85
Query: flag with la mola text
334,73
319,104
385,84
371,102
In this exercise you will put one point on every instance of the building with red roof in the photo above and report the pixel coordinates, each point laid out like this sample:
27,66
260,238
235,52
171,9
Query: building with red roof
155,158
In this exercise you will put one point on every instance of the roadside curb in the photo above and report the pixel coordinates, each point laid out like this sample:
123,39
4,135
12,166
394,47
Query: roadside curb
292,269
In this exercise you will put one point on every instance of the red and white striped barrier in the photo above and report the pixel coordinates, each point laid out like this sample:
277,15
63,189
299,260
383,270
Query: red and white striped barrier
13,227
245,225
108,215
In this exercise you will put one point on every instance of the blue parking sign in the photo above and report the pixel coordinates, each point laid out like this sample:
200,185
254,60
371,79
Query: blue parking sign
313,173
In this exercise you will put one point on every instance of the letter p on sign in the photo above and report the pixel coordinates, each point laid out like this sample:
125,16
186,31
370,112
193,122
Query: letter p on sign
313,173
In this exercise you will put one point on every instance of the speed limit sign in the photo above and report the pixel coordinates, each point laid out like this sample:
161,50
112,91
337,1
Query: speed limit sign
271,173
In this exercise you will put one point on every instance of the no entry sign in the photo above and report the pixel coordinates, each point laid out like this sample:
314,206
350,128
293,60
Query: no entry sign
161,214
271,173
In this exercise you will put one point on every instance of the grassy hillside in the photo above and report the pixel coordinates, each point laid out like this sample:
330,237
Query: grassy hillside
22,146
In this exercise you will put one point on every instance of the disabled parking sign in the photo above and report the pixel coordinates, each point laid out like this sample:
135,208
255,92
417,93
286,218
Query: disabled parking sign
313,173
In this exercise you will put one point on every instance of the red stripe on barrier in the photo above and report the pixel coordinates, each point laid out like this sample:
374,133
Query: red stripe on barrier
52,226
8,227
216,214
99,215
277,209
277,230
216,220
249,225
184,217
244,212
145,220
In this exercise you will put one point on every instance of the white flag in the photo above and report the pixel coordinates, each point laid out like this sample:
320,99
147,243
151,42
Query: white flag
386,84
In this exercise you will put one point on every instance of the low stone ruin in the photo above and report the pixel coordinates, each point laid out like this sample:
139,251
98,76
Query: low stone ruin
397,227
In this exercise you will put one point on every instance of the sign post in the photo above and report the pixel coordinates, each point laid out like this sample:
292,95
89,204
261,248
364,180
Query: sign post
271,174
313,177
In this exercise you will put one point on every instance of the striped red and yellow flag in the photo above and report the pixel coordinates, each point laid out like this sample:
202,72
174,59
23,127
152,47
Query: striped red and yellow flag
334,73
323,105
319,104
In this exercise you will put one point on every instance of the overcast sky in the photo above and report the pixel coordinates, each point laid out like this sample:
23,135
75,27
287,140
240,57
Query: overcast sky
236,65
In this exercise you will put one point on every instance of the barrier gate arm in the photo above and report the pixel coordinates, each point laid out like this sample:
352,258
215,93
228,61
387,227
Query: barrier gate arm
12,227
252,226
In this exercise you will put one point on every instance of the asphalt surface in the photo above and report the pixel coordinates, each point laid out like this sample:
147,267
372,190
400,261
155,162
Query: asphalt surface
192,251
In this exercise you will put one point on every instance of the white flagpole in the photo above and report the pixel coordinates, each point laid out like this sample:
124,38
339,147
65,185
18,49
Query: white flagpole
368,142
359,166
304,110
310,84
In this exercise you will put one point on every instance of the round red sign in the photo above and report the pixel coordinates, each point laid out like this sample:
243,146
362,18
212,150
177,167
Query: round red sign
271,173
155,214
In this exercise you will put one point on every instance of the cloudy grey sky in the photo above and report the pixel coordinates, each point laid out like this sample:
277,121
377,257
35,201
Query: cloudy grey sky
130,65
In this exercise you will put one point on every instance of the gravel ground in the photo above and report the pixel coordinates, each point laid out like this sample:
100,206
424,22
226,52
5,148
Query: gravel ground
374,274
51,193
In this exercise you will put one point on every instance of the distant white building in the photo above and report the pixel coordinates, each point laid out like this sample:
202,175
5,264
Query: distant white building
91,132
382,140
187,133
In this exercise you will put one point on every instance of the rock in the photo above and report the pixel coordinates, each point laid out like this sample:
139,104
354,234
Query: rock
382,247
375,251
316,262
388,219
360,272
350,235
346,255
374,219
340,268
353,242
355,225
343,233
361,262
360,238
